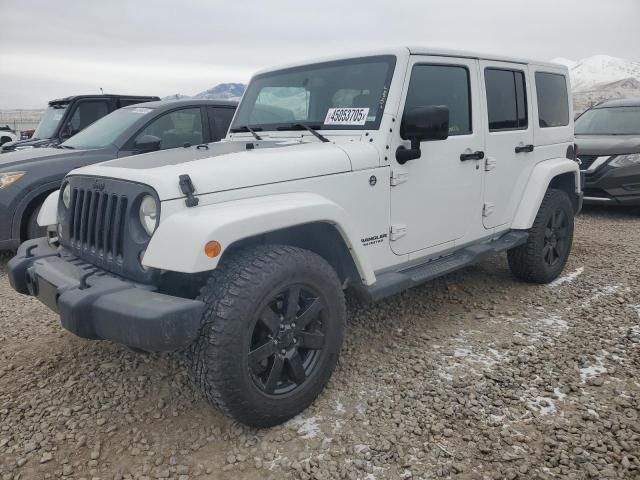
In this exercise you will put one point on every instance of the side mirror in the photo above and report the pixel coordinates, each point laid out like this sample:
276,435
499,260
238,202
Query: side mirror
422,124
147,143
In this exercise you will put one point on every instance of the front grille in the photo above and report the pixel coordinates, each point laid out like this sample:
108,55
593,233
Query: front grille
96,224
101,225
587,161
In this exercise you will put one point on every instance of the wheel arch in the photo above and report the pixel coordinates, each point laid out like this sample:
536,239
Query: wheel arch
304,220
28,204
559,173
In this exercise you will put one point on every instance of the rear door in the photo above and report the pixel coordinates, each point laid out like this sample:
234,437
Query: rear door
509,139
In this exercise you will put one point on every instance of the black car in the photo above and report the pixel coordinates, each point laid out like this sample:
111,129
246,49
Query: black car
608,139
67,116
28,176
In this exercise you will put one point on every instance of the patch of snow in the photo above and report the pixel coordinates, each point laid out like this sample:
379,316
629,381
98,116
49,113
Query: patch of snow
307,427
461,352
567,278
607,290
560,396
545,405
591,371
555,322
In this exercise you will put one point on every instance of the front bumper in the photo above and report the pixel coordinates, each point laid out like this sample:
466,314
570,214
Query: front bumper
96,305
613,185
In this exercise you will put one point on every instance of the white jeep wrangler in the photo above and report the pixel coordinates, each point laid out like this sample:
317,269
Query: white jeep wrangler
376,173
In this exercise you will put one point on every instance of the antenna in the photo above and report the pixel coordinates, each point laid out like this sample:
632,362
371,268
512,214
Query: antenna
101,91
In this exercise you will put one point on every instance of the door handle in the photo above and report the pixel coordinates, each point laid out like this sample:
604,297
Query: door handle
524,148
472,156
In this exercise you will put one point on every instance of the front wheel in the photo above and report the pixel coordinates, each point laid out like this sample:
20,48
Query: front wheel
543,257
33,229
271,333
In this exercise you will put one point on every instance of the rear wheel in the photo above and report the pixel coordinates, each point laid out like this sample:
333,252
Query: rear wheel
543,257
271,333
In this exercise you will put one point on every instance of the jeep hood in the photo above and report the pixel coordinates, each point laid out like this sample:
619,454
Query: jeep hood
607,144
233,165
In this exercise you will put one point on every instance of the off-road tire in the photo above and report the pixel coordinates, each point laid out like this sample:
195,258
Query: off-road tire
234,295
527,261
34,230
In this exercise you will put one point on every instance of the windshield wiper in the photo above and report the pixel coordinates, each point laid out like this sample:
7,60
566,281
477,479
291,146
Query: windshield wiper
68,147
247,128
309,128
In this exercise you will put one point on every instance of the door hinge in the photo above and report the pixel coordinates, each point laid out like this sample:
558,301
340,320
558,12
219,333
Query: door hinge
487,209
398,231
489,164
398,177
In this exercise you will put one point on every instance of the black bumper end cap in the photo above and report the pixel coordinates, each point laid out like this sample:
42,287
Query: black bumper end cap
28,252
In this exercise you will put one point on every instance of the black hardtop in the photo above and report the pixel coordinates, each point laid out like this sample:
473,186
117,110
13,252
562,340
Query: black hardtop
72,98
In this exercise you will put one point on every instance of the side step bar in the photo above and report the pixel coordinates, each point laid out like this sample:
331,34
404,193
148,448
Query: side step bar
391,283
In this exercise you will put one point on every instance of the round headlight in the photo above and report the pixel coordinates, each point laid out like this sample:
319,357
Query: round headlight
66,196
148,214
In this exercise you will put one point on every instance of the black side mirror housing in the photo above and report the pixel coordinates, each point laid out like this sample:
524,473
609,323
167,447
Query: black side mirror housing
422,124
147,143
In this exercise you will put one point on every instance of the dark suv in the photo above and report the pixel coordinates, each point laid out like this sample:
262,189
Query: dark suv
27,177
67,116
608,138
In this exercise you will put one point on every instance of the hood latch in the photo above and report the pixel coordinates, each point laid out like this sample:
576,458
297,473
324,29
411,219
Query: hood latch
186,185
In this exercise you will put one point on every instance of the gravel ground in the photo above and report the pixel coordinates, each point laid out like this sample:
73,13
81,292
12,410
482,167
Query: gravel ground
475,376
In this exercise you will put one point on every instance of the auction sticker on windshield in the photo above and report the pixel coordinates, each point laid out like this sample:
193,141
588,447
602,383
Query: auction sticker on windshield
346,116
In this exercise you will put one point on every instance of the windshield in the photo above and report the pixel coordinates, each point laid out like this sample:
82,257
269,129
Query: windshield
106,130
609,121
50,121
343,94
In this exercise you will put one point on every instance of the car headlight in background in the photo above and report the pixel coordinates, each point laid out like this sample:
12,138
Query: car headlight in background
66,196
8,178
625,160
148,214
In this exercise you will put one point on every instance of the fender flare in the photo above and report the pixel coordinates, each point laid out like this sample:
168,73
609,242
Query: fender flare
539,181
178,243
48,214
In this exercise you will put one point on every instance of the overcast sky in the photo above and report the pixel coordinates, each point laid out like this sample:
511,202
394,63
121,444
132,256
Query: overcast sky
50,49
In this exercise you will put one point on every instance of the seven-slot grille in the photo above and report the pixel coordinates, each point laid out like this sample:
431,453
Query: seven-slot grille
96,223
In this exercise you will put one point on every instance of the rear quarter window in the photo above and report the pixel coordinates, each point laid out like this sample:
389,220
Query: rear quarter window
553,100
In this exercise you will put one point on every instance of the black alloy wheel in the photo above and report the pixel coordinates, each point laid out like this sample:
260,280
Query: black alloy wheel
287,340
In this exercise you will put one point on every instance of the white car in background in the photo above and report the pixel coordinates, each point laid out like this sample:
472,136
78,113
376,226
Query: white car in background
7,135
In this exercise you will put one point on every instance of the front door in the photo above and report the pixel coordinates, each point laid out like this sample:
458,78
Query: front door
509,139
436,198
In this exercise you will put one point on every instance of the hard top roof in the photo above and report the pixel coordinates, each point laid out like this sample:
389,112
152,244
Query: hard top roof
421,50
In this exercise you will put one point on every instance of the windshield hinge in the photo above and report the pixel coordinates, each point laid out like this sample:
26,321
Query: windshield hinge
186,185
398,177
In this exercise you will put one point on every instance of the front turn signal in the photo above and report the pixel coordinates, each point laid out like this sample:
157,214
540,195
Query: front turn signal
212,249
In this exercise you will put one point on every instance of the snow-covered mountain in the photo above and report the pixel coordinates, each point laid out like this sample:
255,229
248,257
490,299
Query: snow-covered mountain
222,91
601,77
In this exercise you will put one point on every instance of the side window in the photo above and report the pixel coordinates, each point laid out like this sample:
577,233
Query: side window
506,99
220,119
553,100
446,85
175,129
85,114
